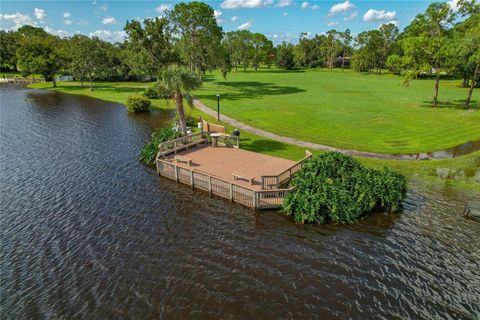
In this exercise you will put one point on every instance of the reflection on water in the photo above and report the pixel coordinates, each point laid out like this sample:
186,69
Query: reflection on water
88,232
458,151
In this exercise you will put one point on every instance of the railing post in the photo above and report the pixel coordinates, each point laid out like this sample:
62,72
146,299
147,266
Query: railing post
176,173
210,184
231,191
191,179
255,202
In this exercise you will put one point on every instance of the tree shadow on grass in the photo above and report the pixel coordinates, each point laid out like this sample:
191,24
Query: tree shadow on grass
261,145
100,87
250,89
452,104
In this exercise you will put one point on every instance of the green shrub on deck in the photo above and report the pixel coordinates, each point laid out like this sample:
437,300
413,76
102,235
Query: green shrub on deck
138,104
159,135
333,187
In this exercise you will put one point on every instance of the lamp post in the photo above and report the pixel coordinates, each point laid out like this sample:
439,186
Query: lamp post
218,107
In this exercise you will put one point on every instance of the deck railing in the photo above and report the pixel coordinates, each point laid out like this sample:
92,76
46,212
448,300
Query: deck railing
275,182
182,143
227,140
256,199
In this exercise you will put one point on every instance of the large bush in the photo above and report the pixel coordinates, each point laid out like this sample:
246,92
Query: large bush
333,187
159,135
151,93
138,104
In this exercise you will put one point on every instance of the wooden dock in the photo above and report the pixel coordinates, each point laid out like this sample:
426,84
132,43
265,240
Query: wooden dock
215,170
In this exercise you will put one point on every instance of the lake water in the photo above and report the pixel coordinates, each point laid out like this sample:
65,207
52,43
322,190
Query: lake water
87,232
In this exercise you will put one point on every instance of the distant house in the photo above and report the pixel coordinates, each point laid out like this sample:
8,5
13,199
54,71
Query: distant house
339,60
64,78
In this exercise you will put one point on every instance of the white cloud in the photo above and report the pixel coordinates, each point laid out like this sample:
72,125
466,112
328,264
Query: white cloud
66,14
163,7
245,4
379,15
333,24
104,8
453,5
61,33
111,36
67,21
218,16
245,26
278,38
351,16
285,14
39,14
109,20
284,3
341,7
18,19
234,18
306,5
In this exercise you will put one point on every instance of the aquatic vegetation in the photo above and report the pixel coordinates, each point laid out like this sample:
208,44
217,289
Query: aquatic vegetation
138,104
333,187
159,135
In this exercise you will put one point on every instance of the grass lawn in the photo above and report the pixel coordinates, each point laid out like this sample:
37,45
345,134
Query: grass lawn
459,172
347,109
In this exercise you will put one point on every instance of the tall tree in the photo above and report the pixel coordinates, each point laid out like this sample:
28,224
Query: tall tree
345,40
332,46
177,82
261,47
285,55
150,43
469,48
9,42
40,54
425,42
199,35
240,47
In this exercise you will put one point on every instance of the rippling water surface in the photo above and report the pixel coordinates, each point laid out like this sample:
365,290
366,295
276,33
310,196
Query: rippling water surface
88,232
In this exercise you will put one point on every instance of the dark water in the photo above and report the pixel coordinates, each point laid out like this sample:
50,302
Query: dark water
89,233
450,153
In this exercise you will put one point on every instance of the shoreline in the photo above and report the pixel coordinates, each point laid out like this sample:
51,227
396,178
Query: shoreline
450,172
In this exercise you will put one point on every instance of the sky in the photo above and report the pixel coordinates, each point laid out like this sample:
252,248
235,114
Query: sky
279,20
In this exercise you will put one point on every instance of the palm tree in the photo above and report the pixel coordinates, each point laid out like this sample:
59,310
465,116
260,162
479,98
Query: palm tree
176,82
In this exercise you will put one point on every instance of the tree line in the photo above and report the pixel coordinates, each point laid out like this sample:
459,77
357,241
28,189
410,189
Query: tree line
437,42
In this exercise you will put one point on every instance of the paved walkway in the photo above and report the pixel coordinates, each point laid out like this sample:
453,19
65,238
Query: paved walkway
309,145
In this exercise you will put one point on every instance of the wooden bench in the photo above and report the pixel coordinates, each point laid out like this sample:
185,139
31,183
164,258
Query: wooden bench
237,175
183,159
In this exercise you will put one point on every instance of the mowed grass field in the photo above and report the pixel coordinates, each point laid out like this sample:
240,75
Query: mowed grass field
347,109
462,172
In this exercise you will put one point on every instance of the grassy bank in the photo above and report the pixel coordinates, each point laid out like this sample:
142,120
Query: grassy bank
347,109
461,172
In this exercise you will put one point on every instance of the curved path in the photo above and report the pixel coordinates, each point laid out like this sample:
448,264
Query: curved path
310,145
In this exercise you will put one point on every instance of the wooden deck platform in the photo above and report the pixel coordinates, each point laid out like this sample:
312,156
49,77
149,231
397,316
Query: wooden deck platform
223,161
212,169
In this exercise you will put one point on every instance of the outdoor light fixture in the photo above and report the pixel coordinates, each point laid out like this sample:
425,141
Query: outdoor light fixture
218,107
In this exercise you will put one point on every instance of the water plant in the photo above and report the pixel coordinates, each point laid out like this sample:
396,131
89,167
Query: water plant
333,187
138,103
159,135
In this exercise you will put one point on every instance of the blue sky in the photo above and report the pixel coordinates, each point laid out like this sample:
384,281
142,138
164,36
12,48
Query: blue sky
280,20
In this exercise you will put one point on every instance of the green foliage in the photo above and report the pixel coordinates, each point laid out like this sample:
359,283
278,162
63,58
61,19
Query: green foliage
40,54
152,93
394,63
177,82
285,56
138,104
333,187
199,35
159,135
